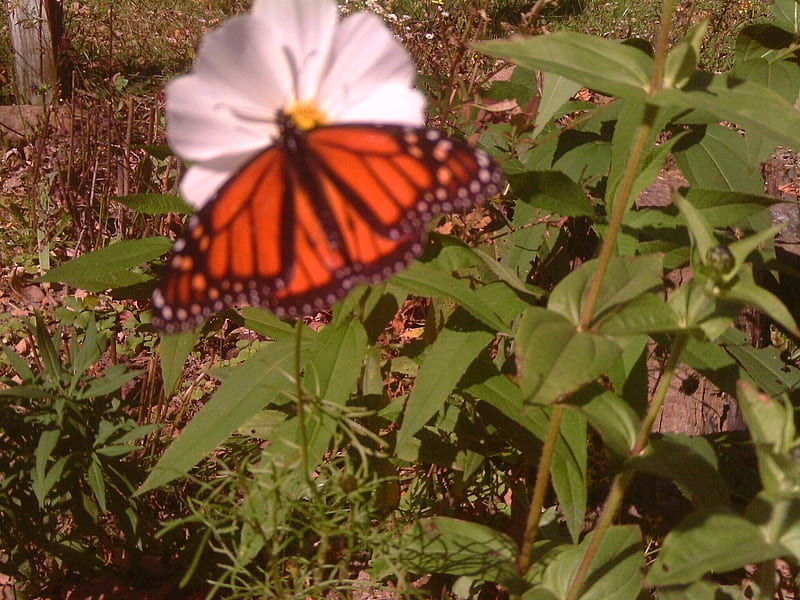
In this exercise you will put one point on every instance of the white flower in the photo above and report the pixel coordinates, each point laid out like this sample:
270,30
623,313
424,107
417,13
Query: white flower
294,56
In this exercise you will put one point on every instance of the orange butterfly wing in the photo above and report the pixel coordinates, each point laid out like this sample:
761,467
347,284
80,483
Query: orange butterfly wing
316,214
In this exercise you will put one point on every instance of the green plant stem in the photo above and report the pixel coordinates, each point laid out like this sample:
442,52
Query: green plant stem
620,484
539,489
301,408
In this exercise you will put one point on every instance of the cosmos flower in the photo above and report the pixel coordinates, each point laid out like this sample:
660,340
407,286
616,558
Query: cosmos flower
293,57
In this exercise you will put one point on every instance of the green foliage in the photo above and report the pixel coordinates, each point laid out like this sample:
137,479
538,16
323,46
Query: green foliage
66,440
526,339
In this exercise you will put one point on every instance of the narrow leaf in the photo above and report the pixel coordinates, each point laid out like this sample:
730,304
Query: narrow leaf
445,361
173,352
155,204
249,388
109,267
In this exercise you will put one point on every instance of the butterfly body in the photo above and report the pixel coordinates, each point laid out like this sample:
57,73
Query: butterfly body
315,214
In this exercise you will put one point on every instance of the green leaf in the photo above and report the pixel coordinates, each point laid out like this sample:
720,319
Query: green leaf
709,540
682,58
778,515
690,462
425,280
715,157
746,103
612,417
263,425
761,53
702,234
518,249
250,387
444,362
610,67
722,208
569,482
646,314
553,192
96,481
445,545
155,204
43,453
114,378
616,571
109,267
745,290
88,352
334,364
569,460
787,14
699,590
765,365
555,360
771,424
18,364
556,90
173,352
51,359
42,485
625,279
267,323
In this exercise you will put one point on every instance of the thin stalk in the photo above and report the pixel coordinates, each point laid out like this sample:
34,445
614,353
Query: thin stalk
540,489
620,484
301,409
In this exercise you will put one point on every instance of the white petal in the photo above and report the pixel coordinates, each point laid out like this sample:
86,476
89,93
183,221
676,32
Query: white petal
303,30
239,82
366,58
391,103
201,181
200,126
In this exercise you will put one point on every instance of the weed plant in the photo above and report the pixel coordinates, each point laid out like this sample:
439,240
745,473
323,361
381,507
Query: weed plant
432,425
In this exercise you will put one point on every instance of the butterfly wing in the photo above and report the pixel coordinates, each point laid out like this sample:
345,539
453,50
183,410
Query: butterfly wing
306,220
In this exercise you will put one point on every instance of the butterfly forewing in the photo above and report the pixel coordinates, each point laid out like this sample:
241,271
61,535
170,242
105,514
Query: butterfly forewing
312,216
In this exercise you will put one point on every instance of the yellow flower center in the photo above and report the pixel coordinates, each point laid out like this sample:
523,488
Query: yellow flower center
306,115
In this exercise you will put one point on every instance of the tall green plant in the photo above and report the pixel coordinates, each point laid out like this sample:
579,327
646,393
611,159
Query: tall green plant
507,375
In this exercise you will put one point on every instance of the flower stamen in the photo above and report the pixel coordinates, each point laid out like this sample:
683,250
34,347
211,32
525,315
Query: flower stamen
305,114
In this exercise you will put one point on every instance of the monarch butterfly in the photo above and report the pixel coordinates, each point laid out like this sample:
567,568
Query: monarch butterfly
315,214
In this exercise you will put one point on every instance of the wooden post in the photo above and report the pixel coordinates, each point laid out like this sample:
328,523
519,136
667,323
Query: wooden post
34,26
